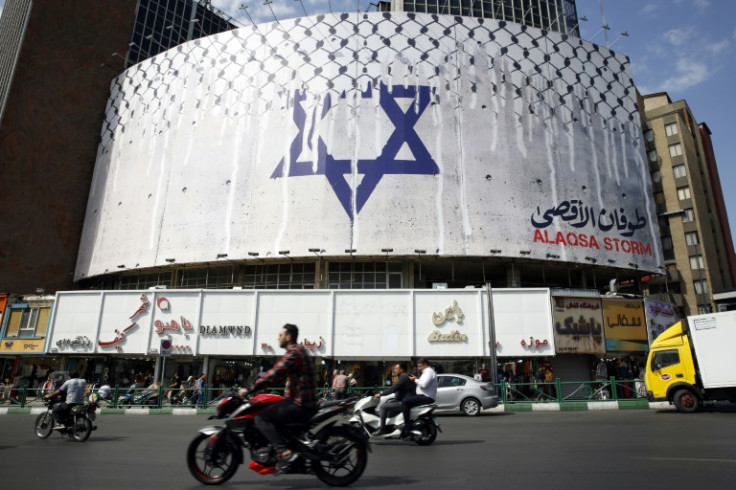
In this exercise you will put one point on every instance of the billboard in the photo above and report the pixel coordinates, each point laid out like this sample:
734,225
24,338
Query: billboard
660,316
578,325
624,325
342,130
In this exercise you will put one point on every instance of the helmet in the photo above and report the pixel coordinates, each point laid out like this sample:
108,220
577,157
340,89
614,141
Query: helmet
104,391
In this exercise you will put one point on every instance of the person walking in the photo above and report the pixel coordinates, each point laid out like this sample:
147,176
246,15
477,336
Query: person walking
340,385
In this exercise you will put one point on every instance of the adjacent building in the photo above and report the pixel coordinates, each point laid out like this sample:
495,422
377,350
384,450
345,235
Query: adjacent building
696,238
56,65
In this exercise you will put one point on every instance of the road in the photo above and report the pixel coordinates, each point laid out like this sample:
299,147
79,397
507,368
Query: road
554,450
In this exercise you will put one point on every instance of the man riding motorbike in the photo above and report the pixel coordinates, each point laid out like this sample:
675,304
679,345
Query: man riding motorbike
426,390
74,389
300,396
403,387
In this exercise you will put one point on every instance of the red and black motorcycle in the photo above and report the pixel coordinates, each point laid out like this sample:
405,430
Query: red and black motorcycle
336,454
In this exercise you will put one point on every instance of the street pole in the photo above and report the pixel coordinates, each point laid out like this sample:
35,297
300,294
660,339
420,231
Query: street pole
491,336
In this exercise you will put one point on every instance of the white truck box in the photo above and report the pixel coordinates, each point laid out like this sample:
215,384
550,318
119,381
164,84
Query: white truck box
714,341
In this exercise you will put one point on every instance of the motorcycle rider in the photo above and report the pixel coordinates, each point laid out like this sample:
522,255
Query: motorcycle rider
300,395
426,391
403,387
74,389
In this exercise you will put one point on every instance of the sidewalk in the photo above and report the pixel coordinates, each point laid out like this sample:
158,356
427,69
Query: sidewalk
509,407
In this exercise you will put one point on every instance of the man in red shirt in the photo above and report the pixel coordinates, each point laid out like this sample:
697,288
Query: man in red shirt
296,366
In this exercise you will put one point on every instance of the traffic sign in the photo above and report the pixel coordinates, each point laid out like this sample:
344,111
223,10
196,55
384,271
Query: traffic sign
165,348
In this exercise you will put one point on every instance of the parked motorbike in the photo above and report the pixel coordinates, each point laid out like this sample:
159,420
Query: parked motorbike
336,454
423,426
78,425
147,397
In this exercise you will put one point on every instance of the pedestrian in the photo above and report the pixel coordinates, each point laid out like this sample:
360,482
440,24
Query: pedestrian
201,382
340,385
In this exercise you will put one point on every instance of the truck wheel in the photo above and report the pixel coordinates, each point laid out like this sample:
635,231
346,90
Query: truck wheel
686,401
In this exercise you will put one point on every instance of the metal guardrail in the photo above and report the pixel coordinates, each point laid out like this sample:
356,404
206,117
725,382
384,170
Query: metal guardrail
558,391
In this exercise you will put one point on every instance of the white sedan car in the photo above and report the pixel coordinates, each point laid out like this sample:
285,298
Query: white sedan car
459,392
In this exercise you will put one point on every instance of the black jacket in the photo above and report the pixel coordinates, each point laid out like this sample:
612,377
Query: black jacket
403,387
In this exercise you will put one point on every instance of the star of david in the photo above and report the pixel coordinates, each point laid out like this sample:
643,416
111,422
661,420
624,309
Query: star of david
338,171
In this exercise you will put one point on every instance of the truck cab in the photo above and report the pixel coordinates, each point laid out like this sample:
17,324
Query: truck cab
670,373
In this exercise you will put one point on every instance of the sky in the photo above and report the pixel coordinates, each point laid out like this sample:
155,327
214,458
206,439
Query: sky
686,48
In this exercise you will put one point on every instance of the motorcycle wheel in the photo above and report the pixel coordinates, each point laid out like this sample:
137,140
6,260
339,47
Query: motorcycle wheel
82,429
210,473
350,457
44,425
429,432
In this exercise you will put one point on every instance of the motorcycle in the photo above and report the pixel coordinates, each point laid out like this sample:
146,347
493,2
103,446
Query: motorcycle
423,426
336,454
78,424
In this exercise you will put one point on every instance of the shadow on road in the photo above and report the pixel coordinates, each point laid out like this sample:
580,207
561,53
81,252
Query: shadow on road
363,482
438,442
106,439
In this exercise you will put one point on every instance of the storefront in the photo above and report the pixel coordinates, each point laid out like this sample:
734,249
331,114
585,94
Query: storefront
230,335
24,362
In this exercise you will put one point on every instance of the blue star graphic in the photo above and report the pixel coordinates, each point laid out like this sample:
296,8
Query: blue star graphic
338,171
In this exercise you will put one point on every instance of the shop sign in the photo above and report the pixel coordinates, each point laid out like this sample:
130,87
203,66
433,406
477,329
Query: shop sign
450,314
624,325
313,346
578,325
81,341
225,330
454,336
173,325
534,343
22,346
120,335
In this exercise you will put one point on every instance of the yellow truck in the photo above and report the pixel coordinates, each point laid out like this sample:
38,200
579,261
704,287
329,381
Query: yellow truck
692,362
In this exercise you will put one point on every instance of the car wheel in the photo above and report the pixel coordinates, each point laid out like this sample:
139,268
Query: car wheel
470,407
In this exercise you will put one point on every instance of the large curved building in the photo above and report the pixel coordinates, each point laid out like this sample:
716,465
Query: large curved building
475,148
367,151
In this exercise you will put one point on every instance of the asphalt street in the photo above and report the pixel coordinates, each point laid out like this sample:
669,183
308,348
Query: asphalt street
554,450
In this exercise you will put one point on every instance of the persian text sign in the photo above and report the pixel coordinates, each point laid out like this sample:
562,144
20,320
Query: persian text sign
660,317
578,325
624,325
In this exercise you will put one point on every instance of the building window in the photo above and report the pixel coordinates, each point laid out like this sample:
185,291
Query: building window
146,281
675,150
691,238
653,156
27,322
365,275
679,171
701,286
683,193
670,129
217,277
657,177
696,262
279,276
688,215
649,135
